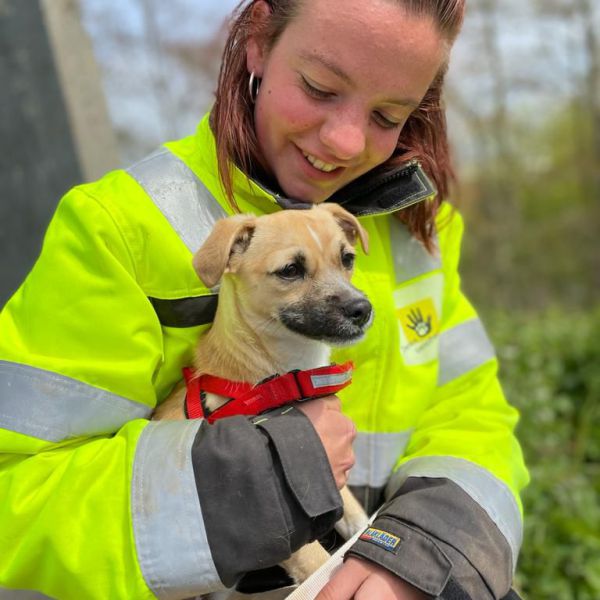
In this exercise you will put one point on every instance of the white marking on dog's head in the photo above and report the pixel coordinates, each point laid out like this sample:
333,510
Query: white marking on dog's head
315,237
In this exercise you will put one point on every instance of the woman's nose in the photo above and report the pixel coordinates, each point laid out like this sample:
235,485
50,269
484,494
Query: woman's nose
344,136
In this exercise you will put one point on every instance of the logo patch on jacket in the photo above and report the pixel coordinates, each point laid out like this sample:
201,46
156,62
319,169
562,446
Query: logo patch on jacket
419,310
419,321
381,538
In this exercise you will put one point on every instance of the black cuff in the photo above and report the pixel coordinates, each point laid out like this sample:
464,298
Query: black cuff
406,552
454,591
438,539
414,557
263,489
304,462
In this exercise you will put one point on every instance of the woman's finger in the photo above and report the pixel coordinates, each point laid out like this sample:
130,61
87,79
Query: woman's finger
346,581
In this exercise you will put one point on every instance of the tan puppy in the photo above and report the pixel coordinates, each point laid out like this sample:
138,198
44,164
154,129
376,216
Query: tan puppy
285,298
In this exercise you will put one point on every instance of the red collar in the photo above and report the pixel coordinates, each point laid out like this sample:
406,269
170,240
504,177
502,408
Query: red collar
277,390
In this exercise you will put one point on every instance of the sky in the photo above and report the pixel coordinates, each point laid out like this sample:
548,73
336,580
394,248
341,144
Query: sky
151,99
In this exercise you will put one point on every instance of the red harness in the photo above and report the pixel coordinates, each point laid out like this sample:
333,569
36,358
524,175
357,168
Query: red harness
277,390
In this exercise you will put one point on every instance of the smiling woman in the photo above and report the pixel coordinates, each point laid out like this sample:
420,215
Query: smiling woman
321,101
327,114
326,104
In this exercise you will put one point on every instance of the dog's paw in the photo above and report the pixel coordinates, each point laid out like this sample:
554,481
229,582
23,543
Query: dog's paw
350,524
304,562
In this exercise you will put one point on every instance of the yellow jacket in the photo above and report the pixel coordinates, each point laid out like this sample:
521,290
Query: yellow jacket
98,334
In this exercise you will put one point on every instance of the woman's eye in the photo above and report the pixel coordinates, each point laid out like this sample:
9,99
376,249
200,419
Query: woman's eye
384,122
315,92
347,260
291,271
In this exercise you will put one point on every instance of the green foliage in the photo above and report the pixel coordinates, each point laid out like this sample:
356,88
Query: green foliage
550,371
533,217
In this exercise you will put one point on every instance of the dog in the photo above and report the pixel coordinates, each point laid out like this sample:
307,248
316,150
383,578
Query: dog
285,298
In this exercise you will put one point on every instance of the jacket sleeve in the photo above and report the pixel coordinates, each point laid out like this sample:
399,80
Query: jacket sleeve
99,502
452,525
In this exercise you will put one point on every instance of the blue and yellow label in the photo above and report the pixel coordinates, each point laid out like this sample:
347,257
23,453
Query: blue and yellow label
381,538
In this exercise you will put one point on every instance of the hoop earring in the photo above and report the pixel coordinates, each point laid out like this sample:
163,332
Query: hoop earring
253,87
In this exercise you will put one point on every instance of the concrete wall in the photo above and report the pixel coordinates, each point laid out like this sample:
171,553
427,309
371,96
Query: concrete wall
54,128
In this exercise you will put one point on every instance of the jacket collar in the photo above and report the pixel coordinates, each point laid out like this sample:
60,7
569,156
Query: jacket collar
378,192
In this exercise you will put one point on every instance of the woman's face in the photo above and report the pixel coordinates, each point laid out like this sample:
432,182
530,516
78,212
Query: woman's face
337,88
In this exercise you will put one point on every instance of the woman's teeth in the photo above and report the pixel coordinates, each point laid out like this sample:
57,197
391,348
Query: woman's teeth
319,164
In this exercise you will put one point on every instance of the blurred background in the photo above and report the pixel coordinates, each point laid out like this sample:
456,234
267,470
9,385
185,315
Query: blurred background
92,85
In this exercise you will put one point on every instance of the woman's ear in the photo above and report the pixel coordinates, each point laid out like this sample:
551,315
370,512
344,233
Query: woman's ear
255,46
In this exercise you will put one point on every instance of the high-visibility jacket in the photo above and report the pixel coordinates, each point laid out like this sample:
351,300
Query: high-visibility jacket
97,501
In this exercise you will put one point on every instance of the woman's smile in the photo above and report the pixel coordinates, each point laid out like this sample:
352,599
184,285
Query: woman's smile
319,164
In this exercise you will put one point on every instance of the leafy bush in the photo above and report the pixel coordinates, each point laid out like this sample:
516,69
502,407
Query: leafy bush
551,372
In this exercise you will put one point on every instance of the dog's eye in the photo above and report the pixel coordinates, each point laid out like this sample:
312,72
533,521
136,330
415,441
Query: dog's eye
291,271
347,260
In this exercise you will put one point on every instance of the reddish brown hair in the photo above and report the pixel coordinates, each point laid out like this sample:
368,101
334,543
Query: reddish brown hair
423,137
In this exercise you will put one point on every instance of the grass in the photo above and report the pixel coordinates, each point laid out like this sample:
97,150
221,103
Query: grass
551,372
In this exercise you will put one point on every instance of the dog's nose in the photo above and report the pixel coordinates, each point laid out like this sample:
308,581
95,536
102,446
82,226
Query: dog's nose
358,311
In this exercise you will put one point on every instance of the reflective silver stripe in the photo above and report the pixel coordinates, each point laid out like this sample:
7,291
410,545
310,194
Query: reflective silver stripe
376,454
488,491
319,381
410,257
462,349
6,594
171,541
183,199
54,407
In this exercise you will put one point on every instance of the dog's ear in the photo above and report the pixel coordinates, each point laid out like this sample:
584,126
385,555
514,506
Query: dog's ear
349,223
229,236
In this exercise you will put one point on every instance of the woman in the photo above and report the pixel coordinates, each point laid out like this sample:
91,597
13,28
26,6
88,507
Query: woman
321,100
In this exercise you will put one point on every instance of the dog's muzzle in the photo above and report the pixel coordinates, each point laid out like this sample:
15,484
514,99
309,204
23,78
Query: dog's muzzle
337,319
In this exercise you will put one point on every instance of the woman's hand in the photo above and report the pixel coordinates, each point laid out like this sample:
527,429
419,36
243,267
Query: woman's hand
336,431
359,579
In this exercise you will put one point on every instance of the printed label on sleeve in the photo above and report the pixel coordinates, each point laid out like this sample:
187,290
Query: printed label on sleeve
381,538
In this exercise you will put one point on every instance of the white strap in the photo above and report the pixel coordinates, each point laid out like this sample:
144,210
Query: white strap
317,581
